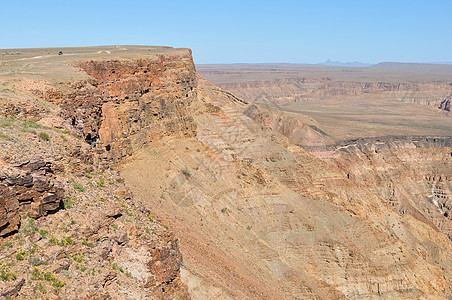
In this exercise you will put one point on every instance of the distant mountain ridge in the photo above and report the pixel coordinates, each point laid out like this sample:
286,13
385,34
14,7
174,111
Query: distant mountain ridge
346,64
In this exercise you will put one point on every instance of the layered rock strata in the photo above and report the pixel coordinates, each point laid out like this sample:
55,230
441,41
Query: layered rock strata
280,91
27,190
131,102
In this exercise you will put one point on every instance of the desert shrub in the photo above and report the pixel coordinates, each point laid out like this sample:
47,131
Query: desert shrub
6,274
36,261
101,182
87,244
79,187
44,136
67,202
38,274
186,172
6,137
20,254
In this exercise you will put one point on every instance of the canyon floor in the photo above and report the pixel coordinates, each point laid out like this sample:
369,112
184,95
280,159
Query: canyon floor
125,174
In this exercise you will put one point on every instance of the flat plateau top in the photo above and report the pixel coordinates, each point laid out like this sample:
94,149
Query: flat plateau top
382,72
47,64
77,53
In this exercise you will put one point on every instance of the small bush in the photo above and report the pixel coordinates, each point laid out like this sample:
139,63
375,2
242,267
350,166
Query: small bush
79,187
37,274
101,182
43,233
186,172
20,255
40,288
67,202
65,241
87,244
6,274
29,227
36,261
44,136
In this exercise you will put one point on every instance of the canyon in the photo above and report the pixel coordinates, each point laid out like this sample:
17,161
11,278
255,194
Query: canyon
126,174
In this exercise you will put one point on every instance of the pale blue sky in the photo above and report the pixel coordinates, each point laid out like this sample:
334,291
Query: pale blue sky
241,31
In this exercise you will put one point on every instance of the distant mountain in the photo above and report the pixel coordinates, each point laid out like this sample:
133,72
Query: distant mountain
342,64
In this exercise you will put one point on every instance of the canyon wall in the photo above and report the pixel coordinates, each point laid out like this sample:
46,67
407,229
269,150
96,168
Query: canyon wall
414,174
130,103
281,91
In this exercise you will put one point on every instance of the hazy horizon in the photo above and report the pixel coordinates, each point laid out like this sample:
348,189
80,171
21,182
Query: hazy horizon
242,31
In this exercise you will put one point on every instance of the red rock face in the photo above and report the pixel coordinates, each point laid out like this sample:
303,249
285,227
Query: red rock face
27,190
130,103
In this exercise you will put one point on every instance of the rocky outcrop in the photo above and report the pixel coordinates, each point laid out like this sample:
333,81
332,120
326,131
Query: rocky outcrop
131,102
27,190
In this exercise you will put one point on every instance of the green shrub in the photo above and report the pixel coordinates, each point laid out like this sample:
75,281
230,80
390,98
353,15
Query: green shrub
37,274
43,233
101,182
186,172
67,202
32,124
40,288
20,255
6,274
79,187
44,136
87,244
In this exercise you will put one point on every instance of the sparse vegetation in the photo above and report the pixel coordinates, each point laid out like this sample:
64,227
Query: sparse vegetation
5,273
44,136
79,187
21,254
36,261
87,244
186,172
38,274
29,227
101,182
67,202
6,137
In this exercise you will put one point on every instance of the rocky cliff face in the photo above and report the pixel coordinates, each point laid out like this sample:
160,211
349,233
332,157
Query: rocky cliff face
411,173
130,103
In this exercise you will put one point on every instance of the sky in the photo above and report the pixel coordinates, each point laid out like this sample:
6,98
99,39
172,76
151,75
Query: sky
241,31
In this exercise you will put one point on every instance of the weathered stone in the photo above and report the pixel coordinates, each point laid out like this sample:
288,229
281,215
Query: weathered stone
26,194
